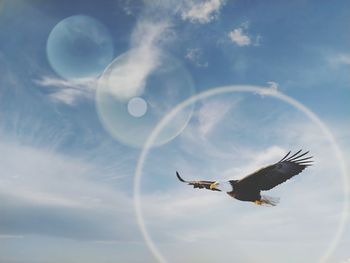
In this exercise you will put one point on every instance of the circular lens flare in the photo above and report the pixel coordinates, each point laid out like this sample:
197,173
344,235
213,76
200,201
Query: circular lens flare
247,89
133,96
79,46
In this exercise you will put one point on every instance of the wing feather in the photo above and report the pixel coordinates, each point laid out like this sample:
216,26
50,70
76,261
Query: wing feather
292,157
275,174
284,157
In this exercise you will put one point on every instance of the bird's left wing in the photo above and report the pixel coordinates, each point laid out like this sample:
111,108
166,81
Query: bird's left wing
275,174
198,184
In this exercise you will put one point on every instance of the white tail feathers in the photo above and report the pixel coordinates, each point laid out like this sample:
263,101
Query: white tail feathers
269,201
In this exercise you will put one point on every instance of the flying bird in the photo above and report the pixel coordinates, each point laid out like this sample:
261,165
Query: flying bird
249,187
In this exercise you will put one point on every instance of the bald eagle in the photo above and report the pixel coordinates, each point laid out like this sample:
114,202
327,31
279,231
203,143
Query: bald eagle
249,187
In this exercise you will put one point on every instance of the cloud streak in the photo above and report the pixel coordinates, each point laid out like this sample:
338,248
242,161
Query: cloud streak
50,194
210,114
69,92
127,78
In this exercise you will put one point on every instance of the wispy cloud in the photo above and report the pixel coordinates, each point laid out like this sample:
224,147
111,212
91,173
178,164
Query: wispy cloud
128,78
254,161
195,56
206,120
68,91
340,59
209,114
10,236
42,190
201,11
128,7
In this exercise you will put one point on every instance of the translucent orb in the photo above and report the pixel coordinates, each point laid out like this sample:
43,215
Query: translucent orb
137,107
79,47
136,90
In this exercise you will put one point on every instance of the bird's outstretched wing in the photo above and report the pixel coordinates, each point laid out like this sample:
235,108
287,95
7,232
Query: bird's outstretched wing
275,174
198,184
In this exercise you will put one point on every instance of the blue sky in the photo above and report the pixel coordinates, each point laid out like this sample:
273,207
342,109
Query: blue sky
72,135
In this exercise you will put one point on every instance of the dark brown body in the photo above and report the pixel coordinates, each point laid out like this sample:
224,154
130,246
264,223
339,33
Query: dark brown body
244,192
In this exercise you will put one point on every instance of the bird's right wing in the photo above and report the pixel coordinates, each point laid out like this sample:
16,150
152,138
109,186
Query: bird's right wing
275,174
198,184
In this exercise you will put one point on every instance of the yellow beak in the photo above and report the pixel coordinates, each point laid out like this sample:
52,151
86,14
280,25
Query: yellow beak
214,185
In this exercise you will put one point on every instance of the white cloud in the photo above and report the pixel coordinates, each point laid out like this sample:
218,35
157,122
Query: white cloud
201,11
148,33
346,261
238,37
241,38
340,59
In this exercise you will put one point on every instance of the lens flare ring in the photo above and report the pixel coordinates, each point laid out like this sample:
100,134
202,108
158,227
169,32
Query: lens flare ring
132,98
247,89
